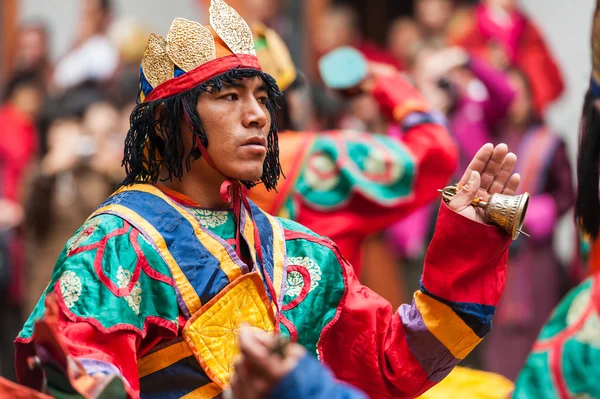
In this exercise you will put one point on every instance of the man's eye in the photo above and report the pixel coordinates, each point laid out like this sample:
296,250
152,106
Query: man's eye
231,97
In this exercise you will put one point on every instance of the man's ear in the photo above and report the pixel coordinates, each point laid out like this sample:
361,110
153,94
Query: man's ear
158,116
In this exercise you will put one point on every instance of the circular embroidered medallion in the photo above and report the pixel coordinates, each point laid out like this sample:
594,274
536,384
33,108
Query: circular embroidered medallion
322,173
588,334
380,167
210,219
70,288
294,281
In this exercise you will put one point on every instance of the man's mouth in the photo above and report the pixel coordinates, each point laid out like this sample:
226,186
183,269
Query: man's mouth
257,141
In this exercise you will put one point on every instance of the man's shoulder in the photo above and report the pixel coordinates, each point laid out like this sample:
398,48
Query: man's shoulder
109,275
301,242
292,228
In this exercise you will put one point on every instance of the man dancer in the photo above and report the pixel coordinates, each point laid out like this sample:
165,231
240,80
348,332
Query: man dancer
152,289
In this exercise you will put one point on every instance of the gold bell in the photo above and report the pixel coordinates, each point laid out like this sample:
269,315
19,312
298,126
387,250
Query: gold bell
504,211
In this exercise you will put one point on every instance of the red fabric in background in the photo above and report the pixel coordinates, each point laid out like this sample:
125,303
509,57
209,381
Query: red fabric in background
18,146
526,48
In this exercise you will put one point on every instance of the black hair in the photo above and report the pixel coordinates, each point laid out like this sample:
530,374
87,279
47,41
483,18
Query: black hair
19,80
587,207
146,153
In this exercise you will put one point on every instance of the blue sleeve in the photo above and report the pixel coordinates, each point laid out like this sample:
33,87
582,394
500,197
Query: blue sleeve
310,379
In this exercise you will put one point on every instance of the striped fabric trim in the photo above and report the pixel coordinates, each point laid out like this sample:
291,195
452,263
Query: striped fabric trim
189,295
278,256
163,358
446,326
477,316
227,264
432,355
174,381
208,391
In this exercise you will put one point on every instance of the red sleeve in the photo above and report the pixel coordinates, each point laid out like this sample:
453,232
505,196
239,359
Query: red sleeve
118,349
541,68
402,354
109,353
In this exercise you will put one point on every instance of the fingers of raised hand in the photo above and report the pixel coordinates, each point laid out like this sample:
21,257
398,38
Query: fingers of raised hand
512,185
504,174
478,163
493,166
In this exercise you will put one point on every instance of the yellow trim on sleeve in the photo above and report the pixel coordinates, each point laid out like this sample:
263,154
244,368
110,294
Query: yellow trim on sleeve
446,326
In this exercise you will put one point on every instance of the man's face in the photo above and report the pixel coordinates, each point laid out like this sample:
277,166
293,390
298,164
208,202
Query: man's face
237,122
433,15
32,48
508,5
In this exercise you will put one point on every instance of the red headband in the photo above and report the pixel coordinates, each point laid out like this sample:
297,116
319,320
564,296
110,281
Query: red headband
201,74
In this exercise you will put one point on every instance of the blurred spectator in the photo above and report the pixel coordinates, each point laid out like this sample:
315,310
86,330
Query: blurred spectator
261,11
536,281
80,169
32,52
500,33
18,143
338,26
474,96
362,114
404,36
130,38
18,133
93,56
433,17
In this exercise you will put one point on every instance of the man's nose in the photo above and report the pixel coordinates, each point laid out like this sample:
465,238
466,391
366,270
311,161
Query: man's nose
255,114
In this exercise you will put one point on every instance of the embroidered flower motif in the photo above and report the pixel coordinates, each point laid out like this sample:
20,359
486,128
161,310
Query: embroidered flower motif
322,173
70,288
134,299
588,334
86,232
211,219
294,281
380,164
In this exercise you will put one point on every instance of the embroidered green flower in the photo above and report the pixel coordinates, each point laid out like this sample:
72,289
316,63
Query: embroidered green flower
295,282
134,299
210,219
70,288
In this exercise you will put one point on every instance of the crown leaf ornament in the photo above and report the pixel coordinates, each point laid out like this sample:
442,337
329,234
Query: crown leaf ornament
190,44
231,28
191,53
156,65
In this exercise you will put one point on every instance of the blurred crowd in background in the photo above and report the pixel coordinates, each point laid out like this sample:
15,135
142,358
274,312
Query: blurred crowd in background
485,67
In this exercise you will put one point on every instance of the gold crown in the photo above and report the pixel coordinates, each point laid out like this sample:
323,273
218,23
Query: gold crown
192,53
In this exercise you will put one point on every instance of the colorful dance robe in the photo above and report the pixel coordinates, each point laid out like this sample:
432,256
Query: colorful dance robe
564,361
347,185
151,288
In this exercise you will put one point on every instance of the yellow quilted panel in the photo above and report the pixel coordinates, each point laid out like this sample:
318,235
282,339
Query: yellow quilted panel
212,331
467,383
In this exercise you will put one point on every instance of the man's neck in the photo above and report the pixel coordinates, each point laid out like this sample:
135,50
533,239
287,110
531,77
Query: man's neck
201,184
